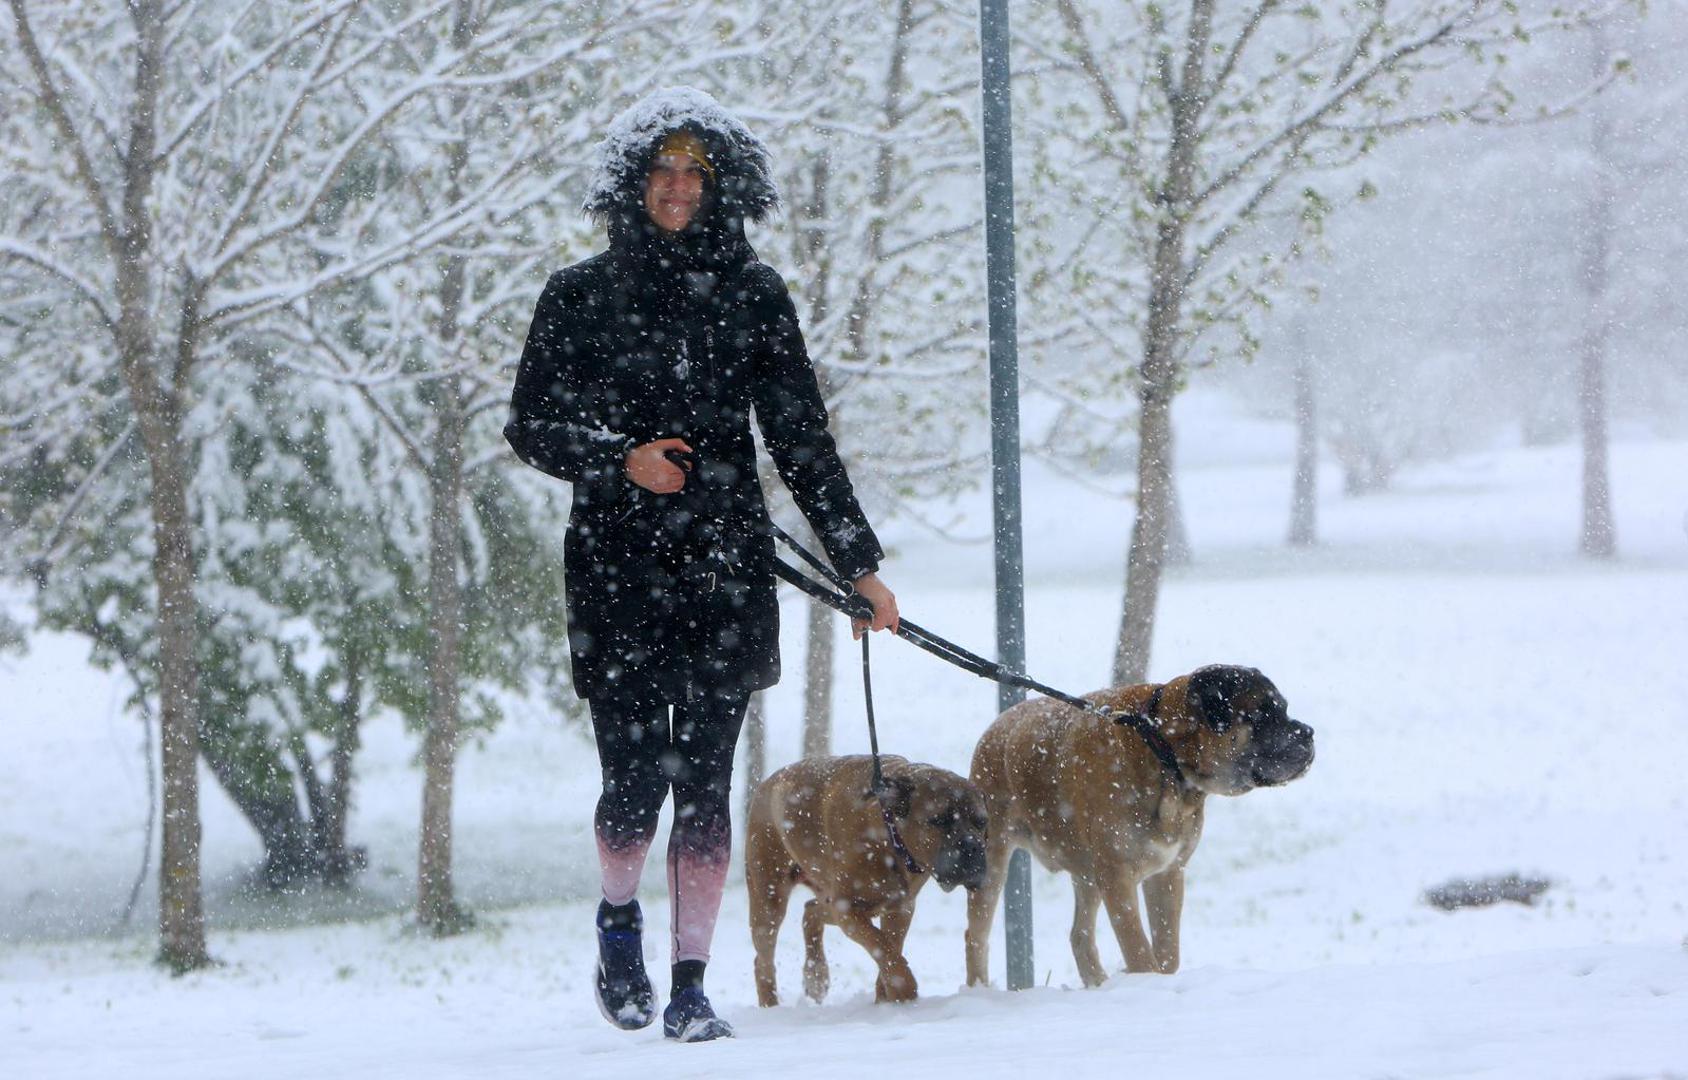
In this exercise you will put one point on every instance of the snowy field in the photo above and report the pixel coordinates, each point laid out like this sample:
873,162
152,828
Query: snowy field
1484,701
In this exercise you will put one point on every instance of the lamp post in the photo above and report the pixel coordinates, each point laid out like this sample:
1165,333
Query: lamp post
1005,430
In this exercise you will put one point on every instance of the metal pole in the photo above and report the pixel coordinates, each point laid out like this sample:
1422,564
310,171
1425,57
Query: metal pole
1005,430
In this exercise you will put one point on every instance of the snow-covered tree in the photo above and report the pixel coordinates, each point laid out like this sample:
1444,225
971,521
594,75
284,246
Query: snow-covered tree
1468,298
181,176
1185,142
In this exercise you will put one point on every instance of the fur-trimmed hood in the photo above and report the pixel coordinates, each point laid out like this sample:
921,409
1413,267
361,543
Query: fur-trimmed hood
743,185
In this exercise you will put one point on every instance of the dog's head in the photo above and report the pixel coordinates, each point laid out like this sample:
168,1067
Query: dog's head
1235,733
941,817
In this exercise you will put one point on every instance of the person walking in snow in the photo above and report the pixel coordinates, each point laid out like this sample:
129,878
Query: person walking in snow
637,383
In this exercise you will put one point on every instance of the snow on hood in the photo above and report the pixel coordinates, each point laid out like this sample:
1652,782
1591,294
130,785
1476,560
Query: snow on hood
743,177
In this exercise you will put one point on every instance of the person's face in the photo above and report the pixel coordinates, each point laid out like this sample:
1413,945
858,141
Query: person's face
673,191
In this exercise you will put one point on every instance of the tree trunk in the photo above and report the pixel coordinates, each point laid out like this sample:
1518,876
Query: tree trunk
817,684
1146,560
339,861
316,796
181,912
437,910
254,774
1599,533
328,855
1304,503
817,657
158,411
1367,468
436,905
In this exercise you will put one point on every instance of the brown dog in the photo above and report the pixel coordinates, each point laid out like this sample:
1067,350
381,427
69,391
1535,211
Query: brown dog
818,823
1088,796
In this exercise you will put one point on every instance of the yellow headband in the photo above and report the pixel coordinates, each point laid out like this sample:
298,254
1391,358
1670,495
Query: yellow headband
685,144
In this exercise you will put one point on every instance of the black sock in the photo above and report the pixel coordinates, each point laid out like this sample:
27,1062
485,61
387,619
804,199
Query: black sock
620,916
687,973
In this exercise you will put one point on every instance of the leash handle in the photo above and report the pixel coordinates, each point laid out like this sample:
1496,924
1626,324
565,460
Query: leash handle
812,559
852,604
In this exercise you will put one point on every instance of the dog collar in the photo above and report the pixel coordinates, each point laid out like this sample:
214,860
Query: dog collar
1147,726
910,863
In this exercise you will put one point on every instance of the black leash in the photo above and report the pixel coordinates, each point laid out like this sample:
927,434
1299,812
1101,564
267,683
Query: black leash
853,604
910,863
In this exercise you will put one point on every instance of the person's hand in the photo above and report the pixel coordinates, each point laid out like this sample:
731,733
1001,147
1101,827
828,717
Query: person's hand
647,467
884,603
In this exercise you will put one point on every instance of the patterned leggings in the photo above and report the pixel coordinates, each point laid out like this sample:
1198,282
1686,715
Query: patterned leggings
642,757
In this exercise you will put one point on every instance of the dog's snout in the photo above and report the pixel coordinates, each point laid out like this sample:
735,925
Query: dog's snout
1285,752
961,863
1301,737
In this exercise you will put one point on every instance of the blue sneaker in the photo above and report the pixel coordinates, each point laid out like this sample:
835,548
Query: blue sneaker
690,1018
624,990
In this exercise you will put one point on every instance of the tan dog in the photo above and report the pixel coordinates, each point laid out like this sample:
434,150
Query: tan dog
817,823
1087,795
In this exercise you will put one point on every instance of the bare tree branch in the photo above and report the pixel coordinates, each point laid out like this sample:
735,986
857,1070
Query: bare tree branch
53,101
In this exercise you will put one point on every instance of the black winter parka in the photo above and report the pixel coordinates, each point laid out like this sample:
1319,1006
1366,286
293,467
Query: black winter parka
659,337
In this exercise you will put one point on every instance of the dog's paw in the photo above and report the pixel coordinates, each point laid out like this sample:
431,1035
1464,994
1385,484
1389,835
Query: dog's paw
817,979
896,985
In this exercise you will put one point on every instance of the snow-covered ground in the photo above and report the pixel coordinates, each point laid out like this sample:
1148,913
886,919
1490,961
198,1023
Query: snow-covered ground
1485,702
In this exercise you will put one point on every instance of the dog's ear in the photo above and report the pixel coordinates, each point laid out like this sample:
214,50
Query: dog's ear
1216,688
899,796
